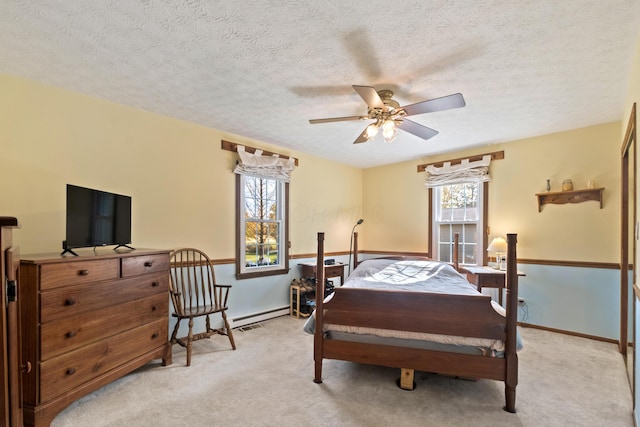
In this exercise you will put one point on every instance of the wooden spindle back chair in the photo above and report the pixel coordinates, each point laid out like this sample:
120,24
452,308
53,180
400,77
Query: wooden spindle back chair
195,293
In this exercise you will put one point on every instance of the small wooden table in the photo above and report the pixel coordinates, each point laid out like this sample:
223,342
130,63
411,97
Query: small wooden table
487,277
334,270
294,302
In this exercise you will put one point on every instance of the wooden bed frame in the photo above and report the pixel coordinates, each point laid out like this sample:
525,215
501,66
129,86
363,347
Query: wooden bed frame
459,315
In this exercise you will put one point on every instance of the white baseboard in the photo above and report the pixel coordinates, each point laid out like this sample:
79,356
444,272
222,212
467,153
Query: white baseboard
257,317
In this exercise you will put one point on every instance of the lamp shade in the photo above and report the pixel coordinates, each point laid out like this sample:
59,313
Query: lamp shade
498,244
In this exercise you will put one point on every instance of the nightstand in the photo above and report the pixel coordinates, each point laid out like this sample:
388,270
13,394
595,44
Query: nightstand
308,270
487,277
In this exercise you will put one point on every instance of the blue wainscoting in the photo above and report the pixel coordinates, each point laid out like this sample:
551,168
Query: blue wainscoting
253,297
576,299
636,362
573,299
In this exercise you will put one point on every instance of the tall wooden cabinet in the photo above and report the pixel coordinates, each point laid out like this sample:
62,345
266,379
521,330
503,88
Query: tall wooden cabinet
10,401
88,320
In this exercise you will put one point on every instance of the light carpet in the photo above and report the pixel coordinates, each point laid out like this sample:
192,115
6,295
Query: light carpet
267,381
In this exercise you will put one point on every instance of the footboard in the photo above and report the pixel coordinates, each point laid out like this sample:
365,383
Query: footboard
415,312
456,315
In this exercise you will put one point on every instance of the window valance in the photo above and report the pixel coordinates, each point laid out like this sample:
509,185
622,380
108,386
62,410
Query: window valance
264,166
465,171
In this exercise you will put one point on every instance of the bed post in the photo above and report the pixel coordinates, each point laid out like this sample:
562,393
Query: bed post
456,243
511,356
355,252
318,333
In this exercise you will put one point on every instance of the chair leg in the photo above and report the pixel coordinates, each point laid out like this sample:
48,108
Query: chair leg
174,335
189,341
208,324
229,332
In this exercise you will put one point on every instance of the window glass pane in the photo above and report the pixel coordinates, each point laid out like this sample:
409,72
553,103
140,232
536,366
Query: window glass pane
461,254
261,198
261,243
249,208
468,254
458,202
444,211
444,253
445,233
470,235
273,245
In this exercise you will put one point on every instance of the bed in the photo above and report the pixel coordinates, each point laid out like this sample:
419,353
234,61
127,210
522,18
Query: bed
373,319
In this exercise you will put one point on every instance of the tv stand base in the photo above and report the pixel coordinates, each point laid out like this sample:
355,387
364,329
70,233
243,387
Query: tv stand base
66,249
124,246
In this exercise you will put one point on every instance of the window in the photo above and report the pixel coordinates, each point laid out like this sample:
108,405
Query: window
459,208
262,226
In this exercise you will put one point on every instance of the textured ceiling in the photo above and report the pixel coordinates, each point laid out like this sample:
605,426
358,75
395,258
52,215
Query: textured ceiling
263,69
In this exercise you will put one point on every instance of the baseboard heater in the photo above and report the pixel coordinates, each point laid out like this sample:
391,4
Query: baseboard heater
238,322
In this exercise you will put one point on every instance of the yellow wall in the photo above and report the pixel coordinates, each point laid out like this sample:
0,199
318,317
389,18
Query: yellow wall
395,206
572,232
179,178
183,189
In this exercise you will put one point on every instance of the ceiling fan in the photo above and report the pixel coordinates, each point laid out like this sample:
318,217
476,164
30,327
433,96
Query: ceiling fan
390,116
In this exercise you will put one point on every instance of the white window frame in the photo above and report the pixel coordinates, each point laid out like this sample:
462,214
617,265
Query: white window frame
282,265
480,226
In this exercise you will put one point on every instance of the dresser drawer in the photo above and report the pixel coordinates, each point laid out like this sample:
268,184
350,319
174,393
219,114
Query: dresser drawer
77,272
77,300
136,265
63,373
71,333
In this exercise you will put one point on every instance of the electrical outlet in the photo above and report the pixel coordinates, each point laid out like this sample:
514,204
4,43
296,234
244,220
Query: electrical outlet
520,301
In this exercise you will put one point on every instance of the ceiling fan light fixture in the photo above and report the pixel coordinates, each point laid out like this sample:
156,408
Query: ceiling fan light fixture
372,130
389,131
391,137
388,126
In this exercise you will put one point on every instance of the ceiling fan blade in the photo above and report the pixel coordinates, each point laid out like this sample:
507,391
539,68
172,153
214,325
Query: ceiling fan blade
337,119
438,104
370,96
362,137
417,129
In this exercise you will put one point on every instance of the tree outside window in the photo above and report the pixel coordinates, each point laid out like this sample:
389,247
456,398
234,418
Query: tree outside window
262,227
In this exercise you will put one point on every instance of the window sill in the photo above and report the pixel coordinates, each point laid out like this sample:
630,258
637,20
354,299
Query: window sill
264,273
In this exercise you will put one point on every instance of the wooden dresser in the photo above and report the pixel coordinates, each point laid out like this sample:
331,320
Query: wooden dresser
88,320
10,365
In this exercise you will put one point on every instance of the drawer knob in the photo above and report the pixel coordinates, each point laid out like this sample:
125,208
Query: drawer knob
155,284
70,301
154,308
83,272
154,336
26,368
148,263
70,334
71,371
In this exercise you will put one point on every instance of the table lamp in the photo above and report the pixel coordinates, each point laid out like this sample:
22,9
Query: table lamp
499,246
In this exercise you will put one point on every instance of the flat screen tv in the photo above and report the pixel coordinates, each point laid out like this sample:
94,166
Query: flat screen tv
96,218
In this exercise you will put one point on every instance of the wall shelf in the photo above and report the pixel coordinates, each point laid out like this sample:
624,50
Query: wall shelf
575,196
